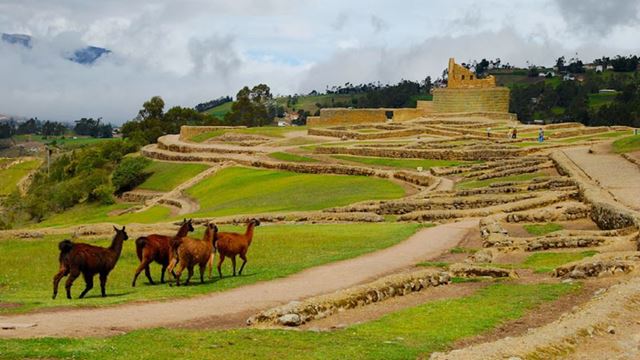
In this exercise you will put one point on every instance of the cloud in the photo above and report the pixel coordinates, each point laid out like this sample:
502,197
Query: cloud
340,21
596,16
378,24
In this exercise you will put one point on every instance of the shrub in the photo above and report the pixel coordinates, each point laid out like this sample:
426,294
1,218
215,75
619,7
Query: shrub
103,194
129,173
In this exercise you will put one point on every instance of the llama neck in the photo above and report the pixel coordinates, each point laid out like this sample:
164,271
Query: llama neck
116,244
183,231
249,233
209,236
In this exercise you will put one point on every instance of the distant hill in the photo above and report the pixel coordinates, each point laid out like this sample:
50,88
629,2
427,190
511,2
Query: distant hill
86,56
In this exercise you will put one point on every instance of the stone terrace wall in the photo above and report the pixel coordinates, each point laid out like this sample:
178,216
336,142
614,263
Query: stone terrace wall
344,116
187,132
446,100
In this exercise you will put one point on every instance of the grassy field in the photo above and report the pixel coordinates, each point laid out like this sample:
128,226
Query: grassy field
472,184
276,251
548,261
627,144
165,176
406,334
399,163
248,191
96,213
221,110
10,176
598,100
67,141
604,135
291,157
542,229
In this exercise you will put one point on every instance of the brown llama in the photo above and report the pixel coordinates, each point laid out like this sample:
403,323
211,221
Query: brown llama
193,252
76,258
232,244
157,248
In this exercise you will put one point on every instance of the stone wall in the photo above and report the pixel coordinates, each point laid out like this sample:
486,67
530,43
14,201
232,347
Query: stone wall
344,116
451,100
459,77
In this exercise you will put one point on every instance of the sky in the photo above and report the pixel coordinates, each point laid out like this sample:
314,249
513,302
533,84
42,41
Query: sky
191,51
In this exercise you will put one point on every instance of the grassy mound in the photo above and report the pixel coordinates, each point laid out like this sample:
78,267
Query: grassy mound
406,334
276,251
167,175
249,191
10,177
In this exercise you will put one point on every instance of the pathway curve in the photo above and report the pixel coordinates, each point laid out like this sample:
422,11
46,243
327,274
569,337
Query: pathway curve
425,244
611,171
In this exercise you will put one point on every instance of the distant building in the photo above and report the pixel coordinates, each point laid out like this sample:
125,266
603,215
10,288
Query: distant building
568,77
599,68
607,91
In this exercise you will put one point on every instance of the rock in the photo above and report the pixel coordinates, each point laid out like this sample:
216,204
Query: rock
290,320
611,330
577,274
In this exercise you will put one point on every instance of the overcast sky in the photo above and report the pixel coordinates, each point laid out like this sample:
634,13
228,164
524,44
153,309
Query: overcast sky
191,51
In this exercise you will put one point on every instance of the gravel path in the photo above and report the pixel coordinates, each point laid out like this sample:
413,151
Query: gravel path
425,244
611,171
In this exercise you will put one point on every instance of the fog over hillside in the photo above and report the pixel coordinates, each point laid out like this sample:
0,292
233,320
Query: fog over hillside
199,50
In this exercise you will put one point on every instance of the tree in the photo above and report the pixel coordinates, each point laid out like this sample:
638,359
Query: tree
252,107
152,109
560,64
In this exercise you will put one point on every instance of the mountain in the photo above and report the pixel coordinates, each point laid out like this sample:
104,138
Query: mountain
85,56
20,39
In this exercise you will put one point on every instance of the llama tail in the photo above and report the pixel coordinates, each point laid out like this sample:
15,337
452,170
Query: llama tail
65,247
140,243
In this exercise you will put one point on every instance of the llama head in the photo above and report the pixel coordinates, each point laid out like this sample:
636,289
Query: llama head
121,232
254,222
188,224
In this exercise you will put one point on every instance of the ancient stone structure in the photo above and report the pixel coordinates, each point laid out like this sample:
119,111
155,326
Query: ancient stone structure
465,95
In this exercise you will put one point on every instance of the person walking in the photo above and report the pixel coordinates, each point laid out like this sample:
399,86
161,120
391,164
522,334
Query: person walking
488,132
540,135
514,134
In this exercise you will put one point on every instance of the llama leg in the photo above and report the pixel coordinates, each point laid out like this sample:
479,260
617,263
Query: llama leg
244,262
190,270
233,262
143,265
210,265
220,265
178,274
72,277
164,269
88,279
56,280
203,267
103,283
147,272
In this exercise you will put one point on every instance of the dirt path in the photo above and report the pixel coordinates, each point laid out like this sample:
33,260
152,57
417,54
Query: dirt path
611,171
425,244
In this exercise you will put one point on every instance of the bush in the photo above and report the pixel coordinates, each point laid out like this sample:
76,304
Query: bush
129,173
103,194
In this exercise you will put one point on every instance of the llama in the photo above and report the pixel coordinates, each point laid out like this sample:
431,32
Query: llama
193,251
76,258
157,248
232,244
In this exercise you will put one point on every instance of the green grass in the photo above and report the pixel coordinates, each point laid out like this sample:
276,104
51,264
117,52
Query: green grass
165,176
627,144
438,264
603,135
240,190
407,334
399,163
291,157
10,176
598,100
202,137
65,142
270,131
548,261
462,250
542,229
472,184
276,251
96,213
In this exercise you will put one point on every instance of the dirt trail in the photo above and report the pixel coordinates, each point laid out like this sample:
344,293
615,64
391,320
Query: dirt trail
611,171
425,244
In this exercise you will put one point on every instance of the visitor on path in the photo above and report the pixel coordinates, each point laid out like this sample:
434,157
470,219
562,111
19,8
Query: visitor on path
540,135
514,133
488,132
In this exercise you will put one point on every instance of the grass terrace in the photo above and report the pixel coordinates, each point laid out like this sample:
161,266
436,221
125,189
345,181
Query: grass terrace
165,176
472,184
627,144
399,163
406,334
542,229
10,176
283,156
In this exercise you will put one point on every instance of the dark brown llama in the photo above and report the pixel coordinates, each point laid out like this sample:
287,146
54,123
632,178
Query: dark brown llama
193,252
76,258
157,248
232,244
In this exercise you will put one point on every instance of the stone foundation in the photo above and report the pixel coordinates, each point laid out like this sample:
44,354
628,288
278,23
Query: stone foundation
447,100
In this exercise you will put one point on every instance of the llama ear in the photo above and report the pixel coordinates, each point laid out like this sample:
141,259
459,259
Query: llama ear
123,227
115,228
